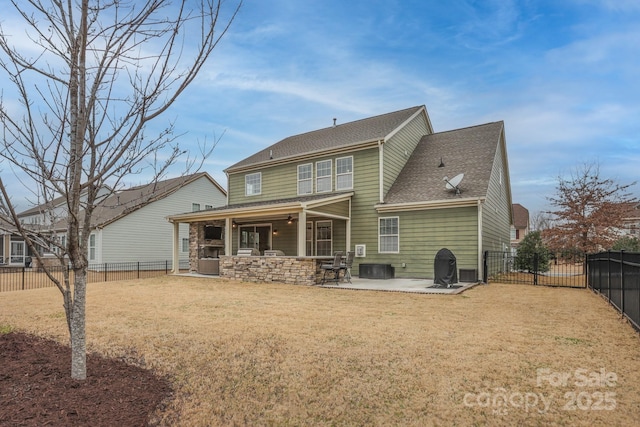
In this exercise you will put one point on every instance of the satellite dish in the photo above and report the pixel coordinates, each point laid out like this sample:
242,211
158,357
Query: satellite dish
453,183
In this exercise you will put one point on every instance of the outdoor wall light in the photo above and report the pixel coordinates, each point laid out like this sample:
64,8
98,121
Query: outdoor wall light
234,224
275,232
289,219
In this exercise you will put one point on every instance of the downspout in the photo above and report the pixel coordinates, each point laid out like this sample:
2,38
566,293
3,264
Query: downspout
381,169
480,254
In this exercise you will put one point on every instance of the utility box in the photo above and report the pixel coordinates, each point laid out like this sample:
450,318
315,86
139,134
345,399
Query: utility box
469,275
376,271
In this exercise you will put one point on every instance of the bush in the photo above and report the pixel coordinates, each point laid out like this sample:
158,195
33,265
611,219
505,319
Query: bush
627,243
530,248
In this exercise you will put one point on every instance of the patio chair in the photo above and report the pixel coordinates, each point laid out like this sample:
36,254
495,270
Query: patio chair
334,267
346,266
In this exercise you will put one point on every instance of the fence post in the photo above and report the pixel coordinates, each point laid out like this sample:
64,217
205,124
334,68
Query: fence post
23,274
609,276
138,269
622,291
586,270
535,268
485,269
105,271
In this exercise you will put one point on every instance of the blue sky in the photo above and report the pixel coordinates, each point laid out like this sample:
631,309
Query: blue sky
563,75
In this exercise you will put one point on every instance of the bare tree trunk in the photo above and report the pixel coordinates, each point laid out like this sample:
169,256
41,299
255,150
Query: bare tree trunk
77,332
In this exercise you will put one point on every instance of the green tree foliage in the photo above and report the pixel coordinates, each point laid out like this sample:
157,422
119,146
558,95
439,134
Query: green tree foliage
530,247
627,243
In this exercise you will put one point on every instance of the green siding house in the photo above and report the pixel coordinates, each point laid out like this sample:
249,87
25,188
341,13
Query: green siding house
376,186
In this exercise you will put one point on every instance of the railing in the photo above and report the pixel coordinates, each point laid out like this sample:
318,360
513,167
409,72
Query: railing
23,278
616,276
568,271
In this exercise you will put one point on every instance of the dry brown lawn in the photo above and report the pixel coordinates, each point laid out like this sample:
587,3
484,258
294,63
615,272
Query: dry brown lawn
272,354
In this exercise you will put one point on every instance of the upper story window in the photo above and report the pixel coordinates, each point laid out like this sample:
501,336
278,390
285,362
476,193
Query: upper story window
208,206
195,207
323,176
389,235
253,184
344,173
305,179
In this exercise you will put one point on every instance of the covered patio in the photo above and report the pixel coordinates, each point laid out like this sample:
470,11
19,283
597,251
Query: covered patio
283,240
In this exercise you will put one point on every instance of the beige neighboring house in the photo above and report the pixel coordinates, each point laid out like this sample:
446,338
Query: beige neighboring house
520,226
129,225
631,226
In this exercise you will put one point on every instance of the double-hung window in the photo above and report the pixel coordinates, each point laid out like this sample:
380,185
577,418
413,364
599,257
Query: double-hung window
305,179
323,176
324,238
195,207
253,184
389,235
185,245
344,173
92,247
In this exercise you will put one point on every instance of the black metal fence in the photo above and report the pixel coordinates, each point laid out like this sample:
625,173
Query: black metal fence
23,278
616,276
567,270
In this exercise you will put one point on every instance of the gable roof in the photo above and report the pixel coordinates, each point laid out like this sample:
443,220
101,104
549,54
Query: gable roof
520,216
341,136
123,202
469,150
126,201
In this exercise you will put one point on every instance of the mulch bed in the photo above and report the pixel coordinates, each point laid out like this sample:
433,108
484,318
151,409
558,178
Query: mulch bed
36,388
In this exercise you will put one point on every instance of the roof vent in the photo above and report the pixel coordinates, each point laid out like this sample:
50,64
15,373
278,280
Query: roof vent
441,165
334,122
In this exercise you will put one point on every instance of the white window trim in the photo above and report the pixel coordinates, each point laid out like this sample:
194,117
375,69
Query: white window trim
343,174
309,179
195,207
397,235
330,176
259,174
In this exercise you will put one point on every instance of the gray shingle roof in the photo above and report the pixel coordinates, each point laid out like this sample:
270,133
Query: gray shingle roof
469,150
343,135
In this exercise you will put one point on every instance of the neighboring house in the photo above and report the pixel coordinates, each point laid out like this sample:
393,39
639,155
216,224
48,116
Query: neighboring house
520,226
375,186
129,225
631,221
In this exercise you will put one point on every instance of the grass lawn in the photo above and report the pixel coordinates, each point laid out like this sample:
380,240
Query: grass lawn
272,354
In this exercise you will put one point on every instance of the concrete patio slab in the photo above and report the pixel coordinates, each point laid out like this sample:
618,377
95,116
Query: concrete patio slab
423,286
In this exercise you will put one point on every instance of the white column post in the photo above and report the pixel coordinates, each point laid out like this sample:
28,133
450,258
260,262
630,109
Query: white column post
302,233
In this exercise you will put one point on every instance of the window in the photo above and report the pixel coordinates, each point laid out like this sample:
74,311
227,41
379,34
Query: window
185,245
208,206
92,247
323,176
388,237
255,236
305,179
195,207
344,173
513,234
253,184
324,242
